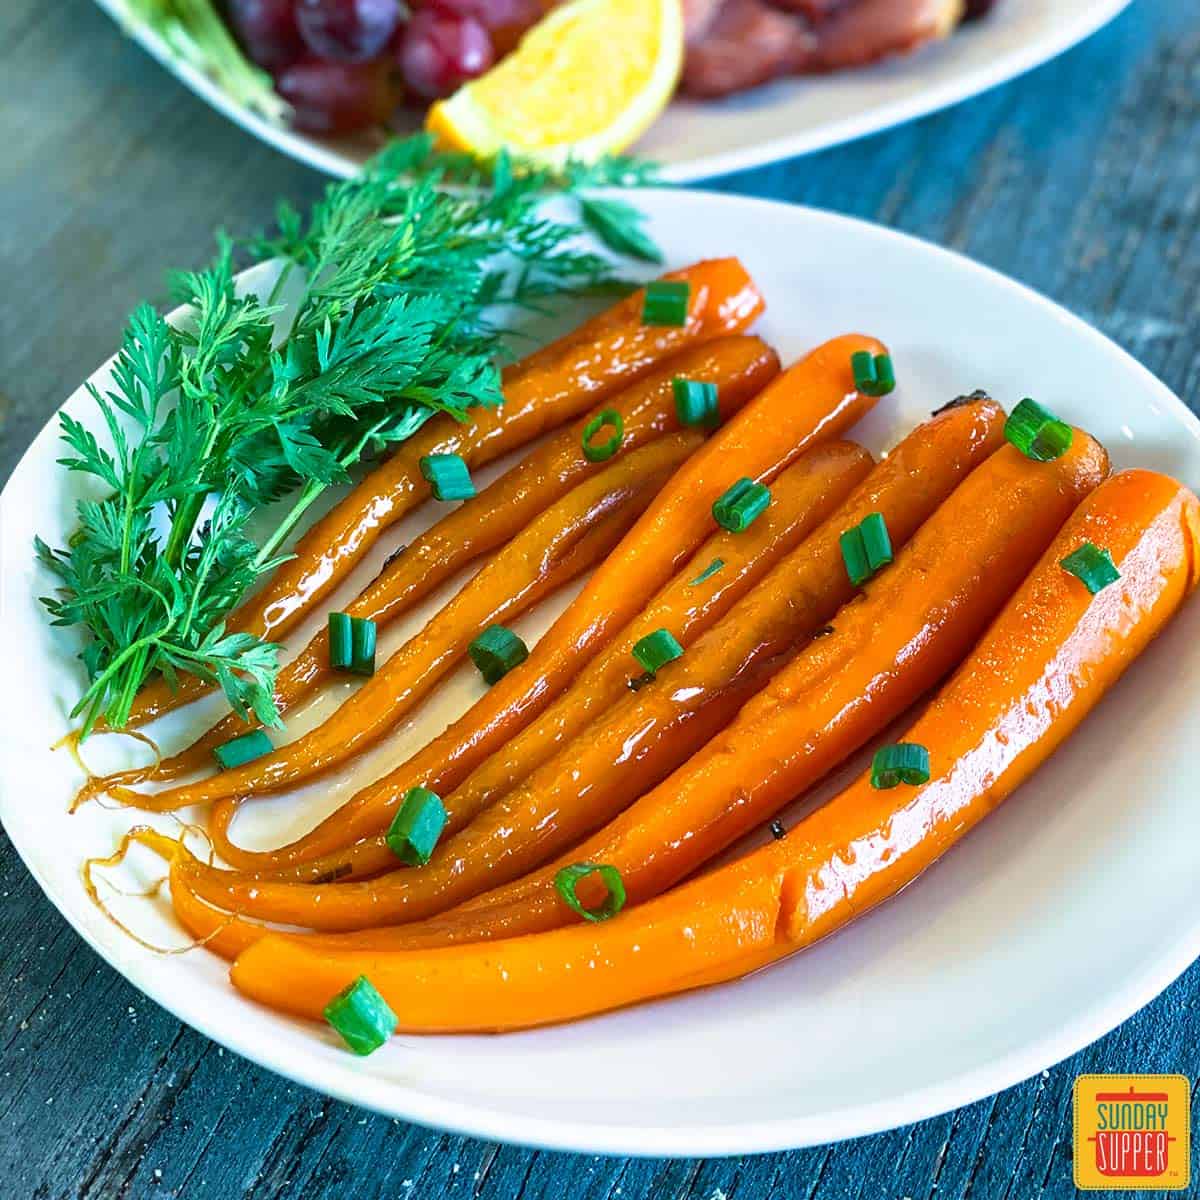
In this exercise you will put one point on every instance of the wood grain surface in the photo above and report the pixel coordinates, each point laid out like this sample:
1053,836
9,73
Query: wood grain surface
1081,179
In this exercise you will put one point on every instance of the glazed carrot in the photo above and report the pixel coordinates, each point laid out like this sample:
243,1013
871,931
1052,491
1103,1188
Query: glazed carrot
739,367
803,496
1043,665
814,400
544,390
923,612
567,539
638,741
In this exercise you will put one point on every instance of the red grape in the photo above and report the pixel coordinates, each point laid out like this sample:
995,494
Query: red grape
267,31
347,30
441,50
328,97
505,20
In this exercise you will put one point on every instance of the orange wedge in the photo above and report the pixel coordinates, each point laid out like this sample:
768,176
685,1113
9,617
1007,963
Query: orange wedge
587,80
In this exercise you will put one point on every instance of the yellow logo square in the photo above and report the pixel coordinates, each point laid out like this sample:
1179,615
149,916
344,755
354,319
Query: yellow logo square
1133,1131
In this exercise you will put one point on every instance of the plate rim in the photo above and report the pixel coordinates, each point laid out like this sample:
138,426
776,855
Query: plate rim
488,1119
328,159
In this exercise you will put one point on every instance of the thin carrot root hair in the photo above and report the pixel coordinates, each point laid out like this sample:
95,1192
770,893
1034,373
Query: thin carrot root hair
99,785
166,847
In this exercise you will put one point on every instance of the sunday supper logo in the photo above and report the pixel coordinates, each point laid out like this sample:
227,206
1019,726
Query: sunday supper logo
1132,1131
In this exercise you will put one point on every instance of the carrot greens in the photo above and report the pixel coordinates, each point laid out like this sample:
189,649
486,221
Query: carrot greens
220,431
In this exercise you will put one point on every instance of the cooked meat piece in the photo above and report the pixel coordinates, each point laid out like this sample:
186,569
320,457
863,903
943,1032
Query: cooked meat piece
698,16
748,43
818,10
872,29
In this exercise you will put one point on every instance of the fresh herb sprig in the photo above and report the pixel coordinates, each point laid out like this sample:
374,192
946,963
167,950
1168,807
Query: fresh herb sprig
209,421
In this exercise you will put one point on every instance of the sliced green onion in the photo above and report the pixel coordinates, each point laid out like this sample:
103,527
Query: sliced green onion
351,644
905,762
695,402
1093,566
362,1016
741,505
567,880
866,548
448,476
708,572
363,656
415,829
240,750
666,302
873,374
496,651
599,451
657,649
854,555
876,540
341,640
1037,432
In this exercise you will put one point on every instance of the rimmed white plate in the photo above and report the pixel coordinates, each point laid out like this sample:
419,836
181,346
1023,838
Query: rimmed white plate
699,140
1065,912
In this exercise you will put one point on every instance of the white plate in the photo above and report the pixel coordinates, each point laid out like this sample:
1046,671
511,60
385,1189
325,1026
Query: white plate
699,140
1068,910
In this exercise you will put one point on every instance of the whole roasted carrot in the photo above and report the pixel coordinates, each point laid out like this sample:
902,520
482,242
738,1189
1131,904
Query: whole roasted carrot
542,391
1043,665
567,539
633,745
739,366
803,496
913,623
814,400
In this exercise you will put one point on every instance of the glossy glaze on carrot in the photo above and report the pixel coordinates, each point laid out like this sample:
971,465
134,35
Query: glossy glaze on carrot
918,474
912,624
548,388
802,497
570,537
646,735
815,400
739,366
1044,664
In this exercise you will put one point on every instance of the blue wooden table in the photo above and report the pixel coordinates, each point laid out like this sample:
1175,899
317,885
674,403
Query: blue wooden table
1082,179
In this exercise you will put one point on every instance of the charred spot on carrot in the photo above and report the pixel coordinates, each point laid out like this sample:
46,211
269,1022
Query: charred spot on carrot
961,401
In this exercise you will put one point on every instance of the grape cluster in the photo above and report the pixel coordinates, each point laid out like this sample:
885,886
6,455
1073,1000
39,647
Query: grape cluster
347,64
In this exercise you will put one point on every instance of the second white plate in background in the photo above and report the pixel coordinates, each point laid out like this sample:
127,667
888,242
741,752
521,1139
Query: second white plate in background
794,116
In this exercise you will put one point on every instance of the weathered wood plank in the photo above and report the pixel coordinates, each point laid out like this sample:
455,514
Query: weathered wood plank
1083,179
